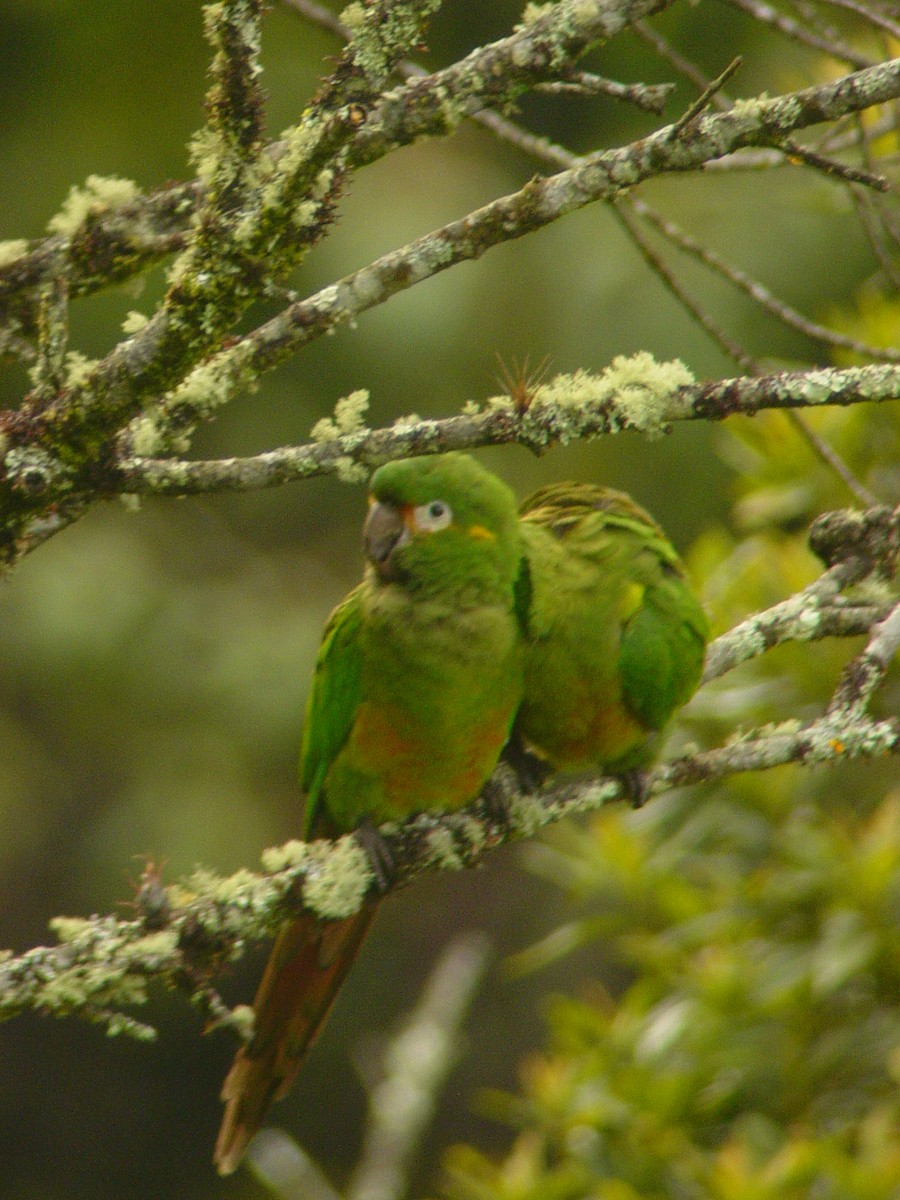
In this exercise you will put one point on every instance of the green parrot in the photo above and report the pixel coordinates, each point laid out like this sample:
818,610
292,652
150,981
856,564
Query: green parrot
616,636
417,682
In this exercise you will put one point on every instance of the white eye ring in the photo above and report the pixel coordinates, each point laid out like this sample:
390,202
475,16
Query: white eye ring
433,516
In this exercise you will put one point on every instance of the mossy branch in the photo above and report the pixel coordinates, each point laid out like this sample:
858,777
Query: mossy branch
183,934
256,209
634,393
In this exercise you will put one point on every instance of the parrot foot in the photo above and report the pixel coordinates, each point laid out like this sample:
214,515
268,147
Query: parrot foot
635,785
378,852
530,770
497,794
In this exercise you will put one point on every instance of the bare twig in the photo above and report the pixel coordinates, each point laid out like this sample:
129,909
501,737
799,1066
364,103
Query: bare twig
416,1064
703,101
757,291
681,64
792,29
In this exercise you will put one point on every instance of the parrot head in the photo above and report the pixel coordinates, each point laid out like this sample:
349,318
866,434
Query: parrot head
430,516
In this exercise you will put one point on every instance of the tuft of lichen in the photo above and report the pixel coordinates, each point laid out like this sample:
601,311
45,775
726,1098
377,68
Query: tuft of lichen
134,322
11,250
349,471
635,392
405,423
349,414
532,13
78,368
280,858
444,849
99,194
338,877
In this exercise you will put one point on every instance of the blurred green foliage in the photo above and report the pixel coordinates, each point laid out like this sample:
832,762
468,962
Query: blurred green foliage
154,667
756,1051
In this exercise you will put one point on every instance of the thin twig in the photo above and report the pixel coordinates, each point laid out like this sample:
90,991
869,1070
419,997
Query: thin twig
731,348
735,351
867,12
704,100
649,96
792,29
831,166
681,64
756,291
416,1064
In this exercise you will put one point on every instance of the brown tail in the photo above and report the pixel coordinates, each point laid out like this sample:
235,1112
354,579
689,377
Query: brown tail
304,973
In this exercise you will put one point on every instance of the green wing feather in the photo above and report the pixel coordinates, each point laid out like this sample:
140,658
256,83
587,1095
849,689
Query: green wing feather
333,701
614,606
662,651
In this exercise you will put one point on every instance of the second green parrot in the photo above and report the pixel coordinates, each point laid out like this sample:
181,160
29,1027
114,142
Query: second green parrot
616,636
416,686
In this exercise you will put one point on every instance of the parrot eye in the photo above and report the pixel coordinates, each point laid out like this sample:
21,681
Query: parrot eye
432,517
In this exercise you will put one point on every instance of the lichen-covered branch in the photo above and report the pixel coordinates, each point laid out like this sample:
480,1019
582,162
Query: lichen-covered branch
256,209
183,934
632,393
539,203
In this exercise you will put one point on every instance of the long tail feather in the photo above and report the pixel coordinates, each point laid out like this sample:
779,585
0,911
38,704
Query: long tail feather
306,968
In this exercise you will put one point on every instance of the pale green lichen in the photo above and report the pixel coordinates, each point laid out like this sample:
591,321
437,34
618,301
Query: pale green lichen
203,151
473,831
100,193
161,944
404,424
444,850
338,877
243,1021
281,858
750,105
146,436
471,408
527,814
95,984
208,386
11,250
532,13
384,34
349,471
78,368
134,322
635,392
118,1024
70,929
353,16
241,888
349,414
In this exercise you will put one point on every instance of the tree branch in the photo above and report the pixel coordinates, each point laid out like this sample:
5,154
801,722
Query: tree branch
636,394
183,934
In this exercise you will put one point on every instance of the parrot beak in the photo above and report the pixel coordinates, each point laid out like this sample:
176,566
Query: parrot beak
385,531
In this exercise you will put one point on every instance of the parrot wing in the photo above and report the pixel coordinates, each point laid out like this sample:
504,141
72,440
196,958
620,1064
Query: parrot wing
662,650
615,566
333,701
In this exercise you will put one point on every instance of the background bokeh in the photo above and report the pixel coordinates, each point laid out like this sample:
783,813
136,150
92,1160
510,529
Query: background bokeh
154,664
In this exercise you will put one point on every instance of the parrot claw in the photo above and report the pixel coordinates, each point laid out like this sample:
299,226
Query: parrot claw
635,786
497,794
531,771
378,852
